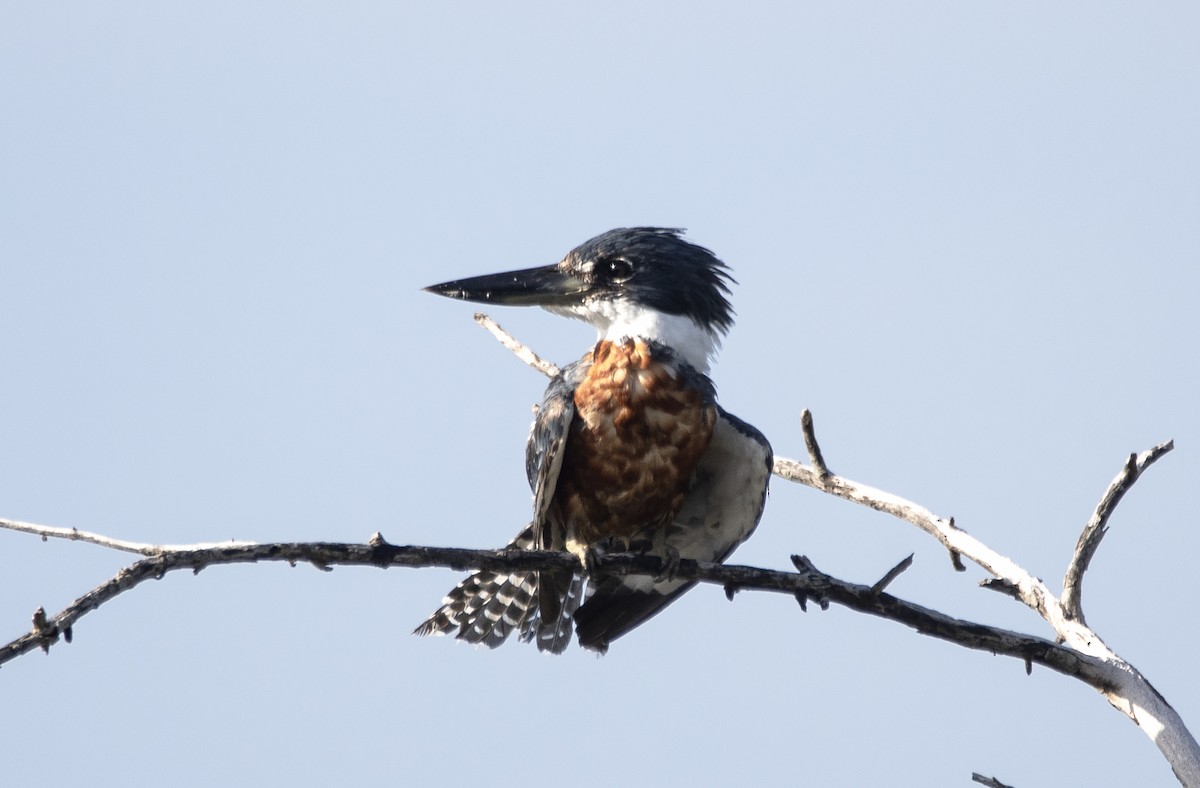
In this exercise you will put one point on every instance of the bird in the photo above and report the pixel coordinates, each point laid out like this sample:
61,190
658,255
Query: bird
629,450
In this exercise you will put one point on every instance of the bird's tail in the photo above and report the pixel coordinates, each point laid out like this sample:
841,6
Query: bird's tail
487,607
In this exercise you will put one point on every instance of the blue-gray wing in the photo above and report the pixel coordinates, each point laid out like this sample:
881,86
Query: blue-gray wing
545,450
559,592
722,508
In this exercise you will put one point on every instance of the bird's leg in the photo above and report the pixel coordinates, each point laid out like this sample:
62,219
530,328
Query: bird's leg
670,564
593,552
591,558
588,553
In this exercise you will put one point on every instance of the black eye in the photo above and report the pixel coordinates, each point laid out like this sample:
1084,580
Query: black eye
614,269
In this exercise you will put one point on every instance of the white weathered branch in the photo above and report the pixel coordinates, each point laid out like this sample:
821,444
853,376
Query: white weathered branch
1129,691
521,350
75,535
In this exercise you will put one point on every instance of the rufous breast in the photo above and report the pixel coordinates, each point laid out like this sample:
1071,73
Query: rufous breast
637,436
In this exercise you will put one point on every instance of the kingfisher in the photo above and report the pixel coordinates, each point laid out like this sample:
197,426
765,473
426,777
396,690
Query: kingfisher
629,450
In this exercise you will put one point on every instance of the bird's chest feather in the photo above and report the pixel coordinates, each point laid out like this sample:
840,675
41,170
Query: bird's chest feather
638,433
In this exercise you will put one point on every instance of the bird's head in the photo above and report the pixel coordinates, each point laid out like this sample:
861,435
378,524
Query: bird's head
638,282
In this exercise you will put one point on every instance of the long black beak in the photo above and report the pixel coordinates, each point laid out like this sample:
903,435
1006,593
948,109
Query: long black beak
545,286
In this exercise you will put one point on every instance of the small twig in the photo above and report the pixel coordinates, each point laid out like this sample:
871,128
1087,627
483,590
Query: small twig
892,574
805,566
75,535
1097,526
810,442
1001,586
990,782
521,350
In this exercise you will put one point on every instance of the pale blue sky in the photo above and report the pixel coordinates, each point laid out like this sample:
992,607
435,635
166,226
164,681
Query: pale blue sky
966,238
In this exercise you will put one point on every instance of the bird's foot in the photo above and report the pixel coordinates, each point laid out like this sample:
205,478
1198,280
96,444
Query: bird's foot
670,564
590,558
595,551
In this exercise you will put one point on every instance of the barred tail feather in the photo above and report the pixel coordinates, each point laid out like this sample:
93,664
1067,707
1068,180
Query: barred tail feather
554,636
487,607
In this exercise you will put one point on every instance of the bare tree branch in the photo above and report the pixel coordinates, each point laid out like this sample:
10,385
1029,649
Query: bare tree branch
1130,692
941,529
1018,582
810,442
892,574
1077,651
1097,526
809,582
522,351
75,535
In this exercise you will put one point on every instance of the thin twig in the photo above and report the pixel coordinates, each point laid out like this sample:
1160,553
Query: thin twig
810,442
522,351
892,574
75,535
990,782
1097,526
1001,586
